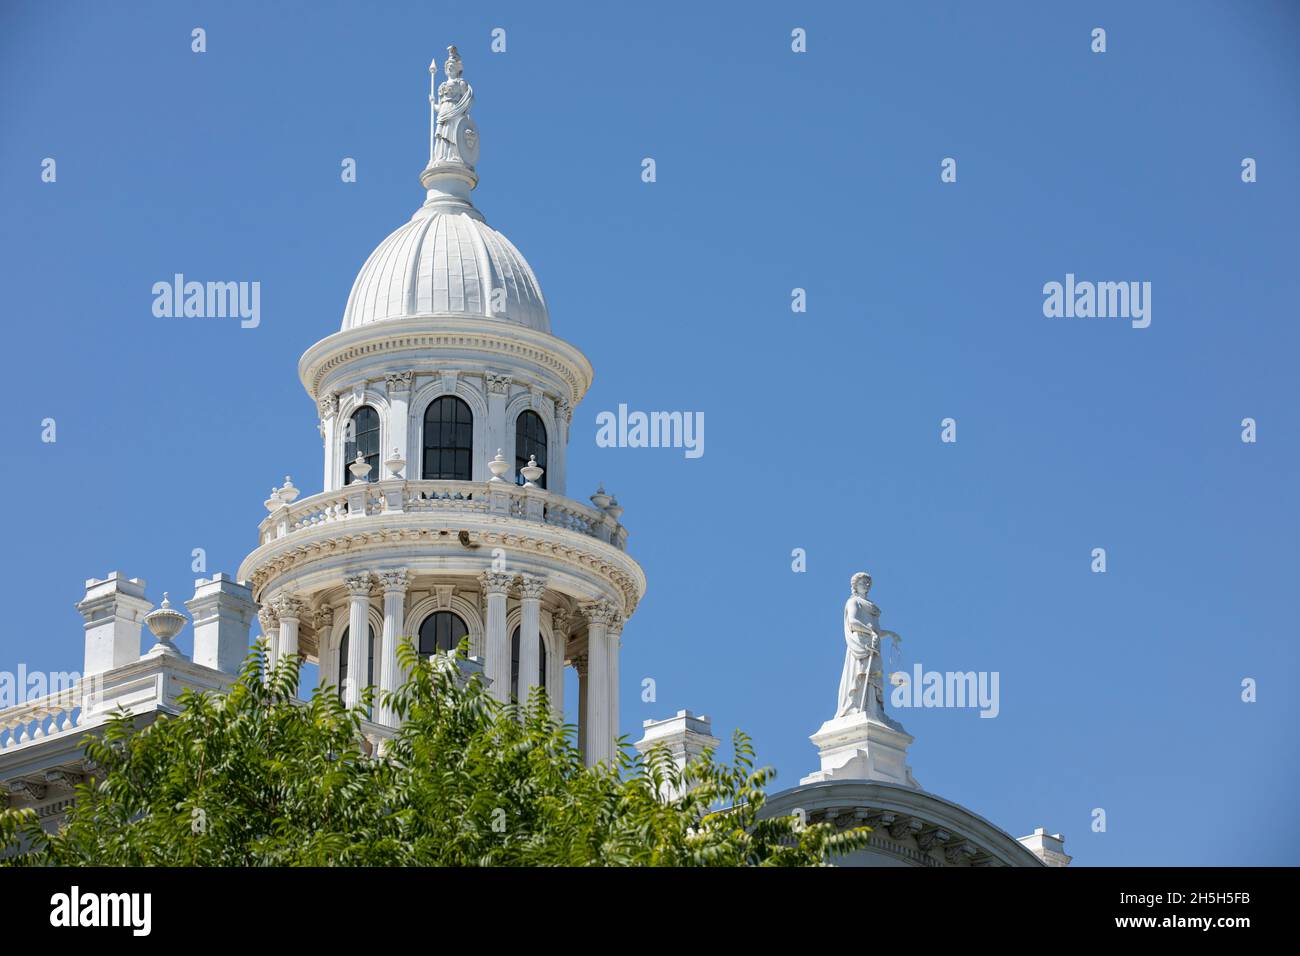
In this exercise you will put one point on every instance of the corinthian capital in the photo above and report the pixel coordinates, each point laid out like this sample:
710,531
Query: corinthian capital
359,584
394,580
496,582
599,612
287,606
328,405
531,587
268,618
499,384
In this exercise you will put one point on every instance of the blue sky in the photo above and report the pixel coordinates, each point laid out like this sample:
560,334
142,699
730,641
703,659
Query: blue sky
775,170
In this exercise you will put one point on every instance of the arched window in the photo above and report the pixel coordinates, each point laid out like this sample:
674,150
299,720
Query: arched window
441,631
343,661
362,436
448,440
514,663
530,439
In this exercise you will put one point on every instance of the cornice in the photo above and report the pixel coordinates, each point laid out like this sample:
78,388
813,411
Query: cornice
493,337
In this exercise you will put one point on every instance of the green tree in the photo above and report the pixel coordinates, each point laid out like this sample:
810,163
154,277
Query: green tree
256,777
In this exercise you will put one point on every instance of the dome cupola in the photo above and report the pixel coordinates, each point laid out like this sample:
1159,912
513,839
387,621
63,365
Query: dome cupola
447,261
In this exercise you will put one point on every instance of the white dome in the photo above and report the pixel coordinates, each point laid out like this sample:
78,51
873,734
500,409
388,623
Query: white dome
445,262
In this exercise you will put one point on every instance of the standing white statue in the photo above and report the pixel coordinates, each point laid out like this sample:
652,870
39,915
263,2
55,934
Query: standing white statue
455,138
862,680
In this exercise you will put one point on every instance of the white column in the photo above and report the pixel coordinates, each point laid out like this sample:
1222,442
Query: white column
270,622
329,408
530,633
555,663
498,389
496,665
358,636
390,672
288,609
399,398
580,665
558,449
613,637
599,743
326,658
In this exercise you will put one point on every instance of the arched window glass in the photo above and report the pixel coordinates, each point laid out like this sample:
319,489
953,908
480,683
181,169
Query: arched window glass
441,631
514,663
343,661
530,439
362,436
448,440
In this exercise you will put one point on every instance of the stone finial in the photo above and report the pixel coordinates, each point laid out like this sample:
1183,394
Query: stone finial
360,468
531,472
498,466
164,622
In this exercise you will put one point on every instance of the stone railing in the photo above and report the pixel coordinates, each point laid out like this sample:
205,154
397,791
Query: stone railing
47,716
399,496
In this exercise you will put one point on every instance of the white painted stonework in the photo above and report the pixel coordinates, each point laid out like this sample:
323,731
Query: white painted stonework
447,307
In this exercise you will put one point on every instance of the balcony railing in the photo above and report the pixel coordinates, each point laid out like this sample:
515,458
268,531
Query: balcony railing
399,496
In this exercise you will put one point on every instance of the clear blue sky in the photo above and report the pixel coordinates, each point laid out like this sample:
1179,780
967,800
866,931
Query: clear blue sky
775,170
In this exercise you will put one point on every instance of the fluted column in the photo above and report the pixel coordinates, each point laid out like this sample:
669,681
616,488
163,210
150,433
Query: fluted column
358,636
496,664
329,409
555,663
599,742
555,478
326,661
580,665
531,590
614,643
270,622
288,609
390,672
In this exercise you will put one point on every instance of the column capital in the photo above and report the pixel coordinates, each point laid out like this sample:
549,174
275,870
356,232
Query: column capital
560,623
532,587
497,384
359,585
599,612
495,582
324,618
580,665
268,618
395,580
328,405
286,605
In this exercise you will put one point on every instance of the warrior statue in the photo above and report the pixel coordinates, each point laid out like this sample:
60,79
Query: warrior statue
861,683
455,139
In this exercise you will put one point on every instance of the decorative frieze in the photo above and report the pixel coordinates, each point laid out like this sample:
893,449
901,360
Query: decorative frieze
399,381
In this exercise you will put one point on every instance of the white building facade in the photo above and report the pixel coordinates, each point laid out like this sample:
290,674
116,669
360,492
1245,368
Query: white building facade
444,406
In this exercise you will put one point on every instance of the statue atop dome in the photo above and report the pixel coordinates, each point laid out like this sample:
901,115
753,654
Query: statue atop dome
861,682
455,138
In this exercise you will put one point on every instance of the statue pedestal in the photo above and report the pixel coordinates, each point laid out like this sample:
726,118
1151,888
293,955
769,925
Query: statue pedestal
862,747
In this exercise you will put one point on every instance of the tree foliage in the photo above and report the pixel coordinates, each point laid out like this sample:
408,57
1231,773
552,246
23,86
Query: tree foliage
257,777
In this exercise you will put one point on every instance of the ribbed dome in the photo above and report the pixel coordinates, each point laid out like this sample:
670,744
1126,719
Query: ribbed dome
446,262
